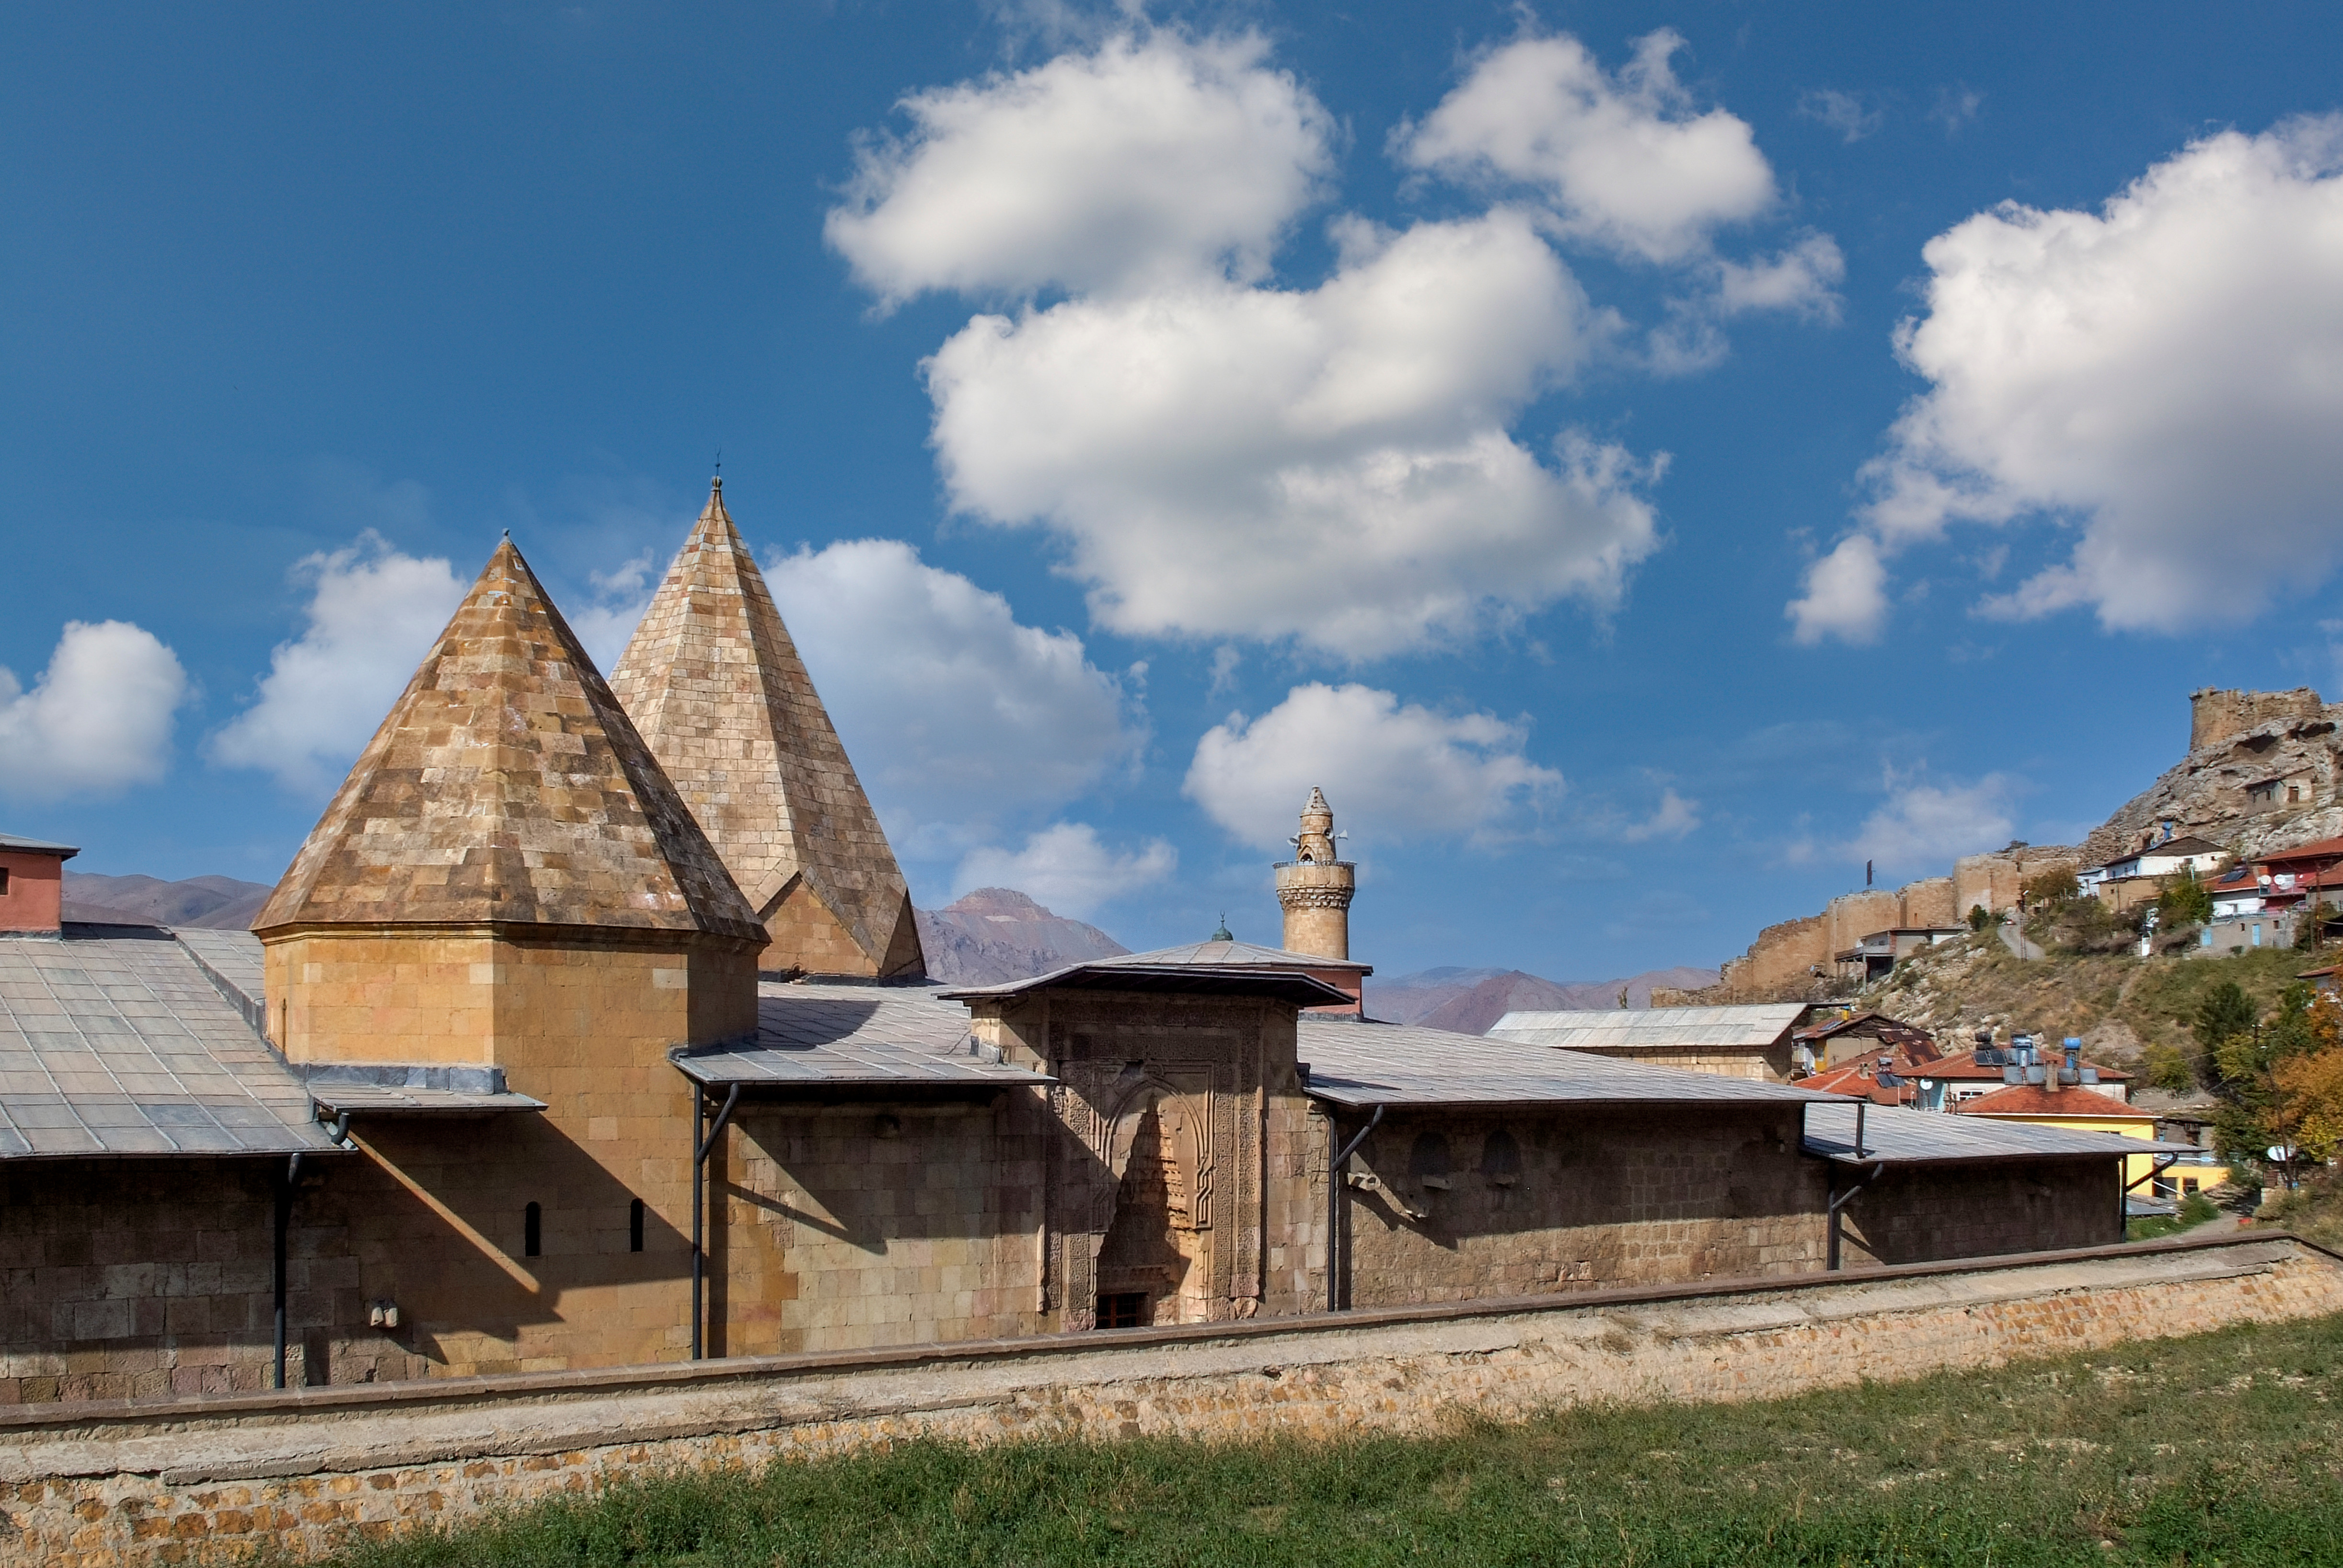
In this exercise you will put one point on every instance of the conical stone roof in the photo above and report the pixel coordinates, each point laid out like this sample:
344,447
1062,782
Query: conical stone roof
508,785
715,685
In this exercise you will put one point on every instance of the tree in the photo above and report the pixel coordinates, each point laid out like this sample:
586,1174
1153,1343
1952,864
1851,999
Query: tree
2256,1111
1978,919
2185,903
2311,1085
2225,1012
2050,888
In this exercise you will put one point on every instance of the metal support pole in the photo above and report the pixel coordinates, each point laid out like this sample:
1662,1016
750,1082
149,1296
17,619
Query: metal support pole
284,1196
1337,1207
1831,1214
703,1139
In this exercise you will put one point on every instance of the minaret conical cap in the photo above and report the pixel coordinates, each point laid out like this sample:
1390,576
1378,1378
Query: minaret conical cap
508,785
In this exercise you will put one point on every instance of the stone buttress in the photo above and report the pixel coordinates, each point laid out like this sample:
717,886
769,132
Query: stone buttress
716,686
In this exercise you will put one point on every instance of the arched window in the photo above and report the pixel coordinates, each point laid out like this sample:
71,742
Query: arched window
1500,1158
532,1231
1427,1163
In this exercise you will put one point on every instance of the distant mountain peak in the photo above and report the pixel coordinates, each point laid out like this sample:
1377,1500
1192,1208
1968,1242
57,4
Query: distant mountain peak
988,935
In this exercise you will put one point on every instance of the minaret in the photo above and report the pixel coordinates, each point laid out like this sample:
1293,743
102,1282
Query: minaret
1315,888
715,685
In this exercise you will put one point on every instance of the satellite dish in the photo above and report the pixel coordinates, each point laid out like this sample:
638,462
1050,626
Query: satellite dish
2280,1153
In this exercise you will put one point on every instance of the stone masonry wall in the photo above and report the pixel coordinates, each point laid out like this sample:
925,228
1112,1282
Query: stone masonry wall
212,1481
876,1224
1467,1206
132,1279
1941,1212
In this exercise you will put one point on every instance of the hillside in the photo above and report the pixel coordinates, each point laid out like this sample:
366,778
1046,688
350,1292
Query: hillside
203,903
996,934
1470,1000
2117,1004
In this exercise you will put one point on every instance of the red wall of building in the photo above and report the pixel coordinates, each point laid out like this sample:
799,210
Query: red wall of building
36,884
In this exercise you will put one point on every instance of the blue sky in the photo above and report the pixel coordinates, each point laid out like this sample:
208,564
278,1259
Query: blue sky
1630,456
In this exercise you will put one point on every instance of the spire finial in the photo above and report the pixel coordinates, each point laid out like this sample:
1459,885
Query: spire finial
718,483
1221,933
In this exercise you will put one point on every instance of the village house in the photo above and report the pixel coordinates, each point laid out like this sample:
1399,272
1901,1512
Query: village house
1752,1041
1839,1035
577,1035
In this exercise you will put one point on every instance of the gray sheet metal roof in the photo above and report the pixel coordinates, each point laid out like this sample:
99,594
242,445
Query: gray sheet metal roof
231,961
814,1034
411,1089
37,846
119,1044
1240,955
1360,1062
1895,1137
1653,1027
1209,976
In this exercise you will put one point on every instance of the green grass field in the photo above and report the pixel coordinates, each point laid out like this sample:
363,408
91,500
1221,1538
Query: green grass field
2222,1449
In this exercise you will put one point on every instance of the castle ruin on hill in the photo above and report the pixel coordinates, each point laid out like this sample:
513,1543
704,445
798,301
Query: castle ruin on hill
2264,771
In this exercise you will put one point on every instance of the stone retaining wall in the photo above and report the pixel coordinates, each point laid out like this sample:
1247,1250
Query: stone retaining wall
212,1479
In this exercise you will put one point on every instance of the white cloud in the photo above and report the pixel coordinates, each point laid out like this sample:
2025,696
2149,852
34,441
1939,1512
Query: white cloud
955,715
1802,280
1674,817
1067,870
1330,465
2166,375
1924,826
606,622
1851,114
1140,161
373,613
1390,771
98,719
1845,596
1625,160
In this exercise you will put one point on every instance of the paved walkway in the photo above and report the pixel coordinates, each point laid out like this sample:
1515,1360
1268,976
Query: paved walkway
2016,941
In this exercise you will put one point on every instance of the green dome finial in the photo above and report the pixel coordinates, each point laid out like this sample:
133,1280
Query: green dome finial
1221,935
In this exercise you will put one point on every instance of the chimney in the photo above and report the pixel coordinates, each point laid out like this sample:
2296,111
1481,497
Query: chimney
32,886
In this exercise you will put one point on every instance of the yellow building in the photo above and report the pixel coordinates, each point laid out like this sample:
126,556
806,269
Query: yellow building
2085,1111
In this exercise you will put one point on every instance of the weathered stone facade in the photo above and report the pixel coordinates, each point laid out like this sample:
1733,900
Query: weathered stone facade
1452,1207
213,1480
714,682
840,1227
1205,1088
1907,1215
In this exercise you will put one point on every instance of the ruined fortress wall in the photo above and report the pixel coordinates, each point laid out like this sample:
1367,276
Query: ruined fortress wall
1533,1202
2241,745
193,1481
2215,716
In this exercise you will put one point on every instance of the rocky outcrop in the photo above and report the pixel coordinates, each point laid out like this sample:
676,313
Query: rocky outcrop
997,934
2261,774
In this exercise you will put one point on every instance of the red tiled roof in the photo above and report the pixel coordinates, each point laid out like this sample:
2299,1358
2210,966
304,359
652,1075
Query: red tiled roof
2034,1100
1850,1078
2318,848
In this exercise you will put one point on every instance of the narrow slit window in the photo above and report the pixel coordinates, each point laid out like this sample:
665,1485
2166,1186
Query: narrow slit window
634,1226
532,1231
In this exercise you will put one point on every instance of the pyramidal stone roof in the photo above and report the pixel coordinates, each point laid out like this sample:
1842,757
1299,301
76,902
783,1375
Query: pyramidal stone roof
715,685
508,785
